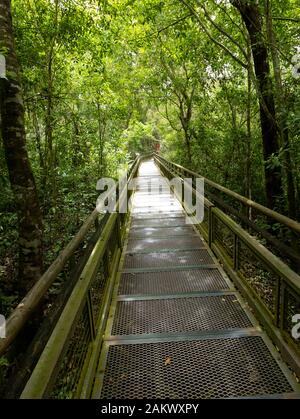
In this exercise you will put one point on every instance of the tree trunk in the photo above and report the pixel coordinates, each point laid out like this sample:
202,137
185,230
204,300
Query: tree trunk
248,164
20,173
101,134
282,114
251,16
38,140
185,119
188,145
49,153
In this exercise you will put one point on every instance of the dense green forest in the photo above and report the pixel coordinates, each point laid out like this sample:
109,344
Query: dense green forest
88,84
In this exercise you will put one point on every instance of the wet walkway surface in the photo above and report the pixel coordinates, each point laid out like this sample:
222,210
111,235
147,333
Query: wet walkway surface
177,327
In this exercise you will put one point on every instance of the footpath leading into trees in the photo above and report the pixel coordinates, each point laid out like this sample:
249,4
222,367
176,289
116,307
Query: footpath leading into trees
148,310
177,326
154,315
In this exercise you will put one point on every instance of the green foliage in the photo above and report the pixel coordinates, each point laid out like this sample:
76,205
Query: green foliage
6,302
3,362
105,80
139,137
274,162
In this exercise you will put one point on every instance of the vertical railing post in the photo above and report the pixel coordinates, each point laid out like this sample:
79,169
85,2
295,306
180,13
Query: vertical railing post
210,226
277,302
182,192
280,305
119,230
91,315
72,262
236,253
97,223
106,263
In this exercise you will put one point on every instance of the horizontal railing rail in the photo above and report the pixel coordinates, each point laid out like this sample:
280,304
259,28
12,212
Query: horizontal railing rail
278,232
86,240
270,286
67,365
33,298
23,357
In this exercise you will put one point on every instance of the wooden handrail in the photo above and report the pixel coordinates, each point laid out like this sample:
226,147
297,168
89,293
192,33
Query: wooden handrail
269,259
43,375
282,219
284,278
33,298
41,378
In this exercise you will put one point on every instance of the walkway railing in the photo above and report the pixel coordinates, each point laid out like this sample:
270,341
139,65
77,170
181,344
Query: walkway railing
66,367
65,361
280,233
270,286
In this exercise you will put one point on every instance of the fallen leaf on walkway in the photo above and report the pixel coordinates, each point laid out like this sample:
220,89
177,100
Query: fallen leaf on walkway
168,360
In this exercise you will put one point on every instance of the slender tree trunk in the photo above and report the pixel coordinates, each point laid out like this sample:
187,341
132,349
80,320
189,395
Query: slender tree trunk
282,114
76,147
188,145
20,173
185,119
38,140
248,165
283,126
234,138
251,16
51,158
101,133
49,121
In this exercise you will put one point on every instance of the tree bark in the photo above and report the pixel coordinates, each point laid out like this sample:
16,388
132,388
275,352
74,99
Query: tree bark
185,116
20,173
49,119
248,164
185,122
282,114
251,16
101,135
38,139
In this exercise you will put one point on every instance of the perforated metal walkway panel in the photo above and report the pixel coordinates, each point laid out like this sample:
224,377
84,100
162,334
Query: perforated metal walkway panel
143,232
178,328
168,259
168,282
179,315
158,244
160,222
215,368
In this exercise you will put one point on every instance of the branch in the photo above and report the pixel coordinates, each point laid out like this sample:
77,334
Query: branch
215,41
219,5
158,31
287,19
169,120
220,29
173,24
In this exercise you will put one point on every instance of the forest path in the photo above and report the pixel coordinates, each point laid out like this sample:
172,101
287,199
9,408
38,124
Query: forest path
177,326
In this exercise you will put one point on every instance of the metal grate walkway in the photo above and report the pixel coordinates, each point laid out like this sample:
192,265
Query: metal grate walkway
177,327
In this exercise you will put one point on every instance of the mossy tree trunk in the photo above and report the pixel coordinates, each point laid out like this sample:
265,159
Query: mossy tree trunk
20,172
252,18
